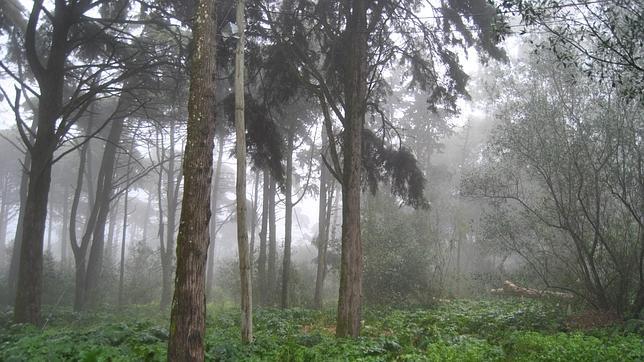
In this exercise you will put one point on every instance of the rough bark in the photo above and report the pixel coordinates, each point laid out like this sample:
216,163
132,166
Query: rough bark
355,90
240,185
210,273
187,320
288,219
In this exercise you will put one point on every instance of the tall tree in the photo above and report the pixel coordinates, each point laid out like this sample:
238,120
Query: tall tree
355,90
271,263
214,204
240,187
49,43
262,279
288,217
187,320
324,209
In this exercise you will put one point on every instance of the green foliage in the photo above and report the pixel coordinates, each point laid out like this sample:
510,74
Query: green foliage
397,254
461,330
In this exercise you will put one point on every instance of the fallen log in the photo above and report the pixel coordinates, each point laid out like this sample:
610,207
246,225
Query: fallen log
511,289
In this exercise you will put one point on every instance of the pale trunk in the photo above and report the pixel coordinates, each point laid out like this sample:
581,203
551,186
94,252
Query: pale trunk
240,187
210,273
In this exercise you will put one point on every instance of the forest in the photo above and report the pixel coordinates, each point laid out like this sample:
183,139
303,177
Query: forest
315,180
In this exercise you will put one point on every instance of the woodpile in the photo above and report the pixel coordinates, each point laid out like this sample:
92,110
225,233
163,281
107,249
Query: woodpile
511,289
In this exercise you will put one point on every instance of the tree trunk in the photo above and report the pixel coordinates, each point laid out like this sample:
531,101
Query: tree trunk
288,219
322,241
104,192
123,240
146,219
240,187
350,298
50,225
213,221
29,287
161,231
253,222
172,202
3,214
17,240
272,245
261,261
110,232
64,237
187,320
79,250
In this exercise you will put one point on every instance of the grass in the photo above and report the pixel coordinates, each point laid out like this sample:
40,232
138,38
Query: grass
500,330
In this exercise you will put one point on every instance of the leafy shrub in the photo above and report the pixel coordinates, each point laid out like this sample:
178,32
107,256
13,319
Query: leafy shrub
501,330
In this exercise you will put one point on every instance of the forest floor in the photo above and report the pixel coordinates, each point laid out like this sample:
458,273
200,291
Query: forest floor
460,330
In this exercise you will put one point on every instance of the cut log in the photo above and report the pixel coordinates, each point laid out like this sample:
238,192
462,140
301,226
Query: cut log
511,289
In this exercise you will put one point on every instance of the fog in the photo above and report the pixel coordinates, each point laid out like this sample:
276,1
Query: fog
397,156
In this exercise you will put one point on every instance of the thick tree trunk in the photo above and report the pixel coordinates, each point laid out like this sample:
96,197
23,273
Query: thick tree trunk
240,186
261,260
213,221
288,219
272,245
17,240
29,286
187,320
350,298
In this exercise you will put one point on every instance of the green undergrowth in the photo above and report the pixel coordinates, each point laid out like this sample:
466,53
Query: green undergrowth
499,330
